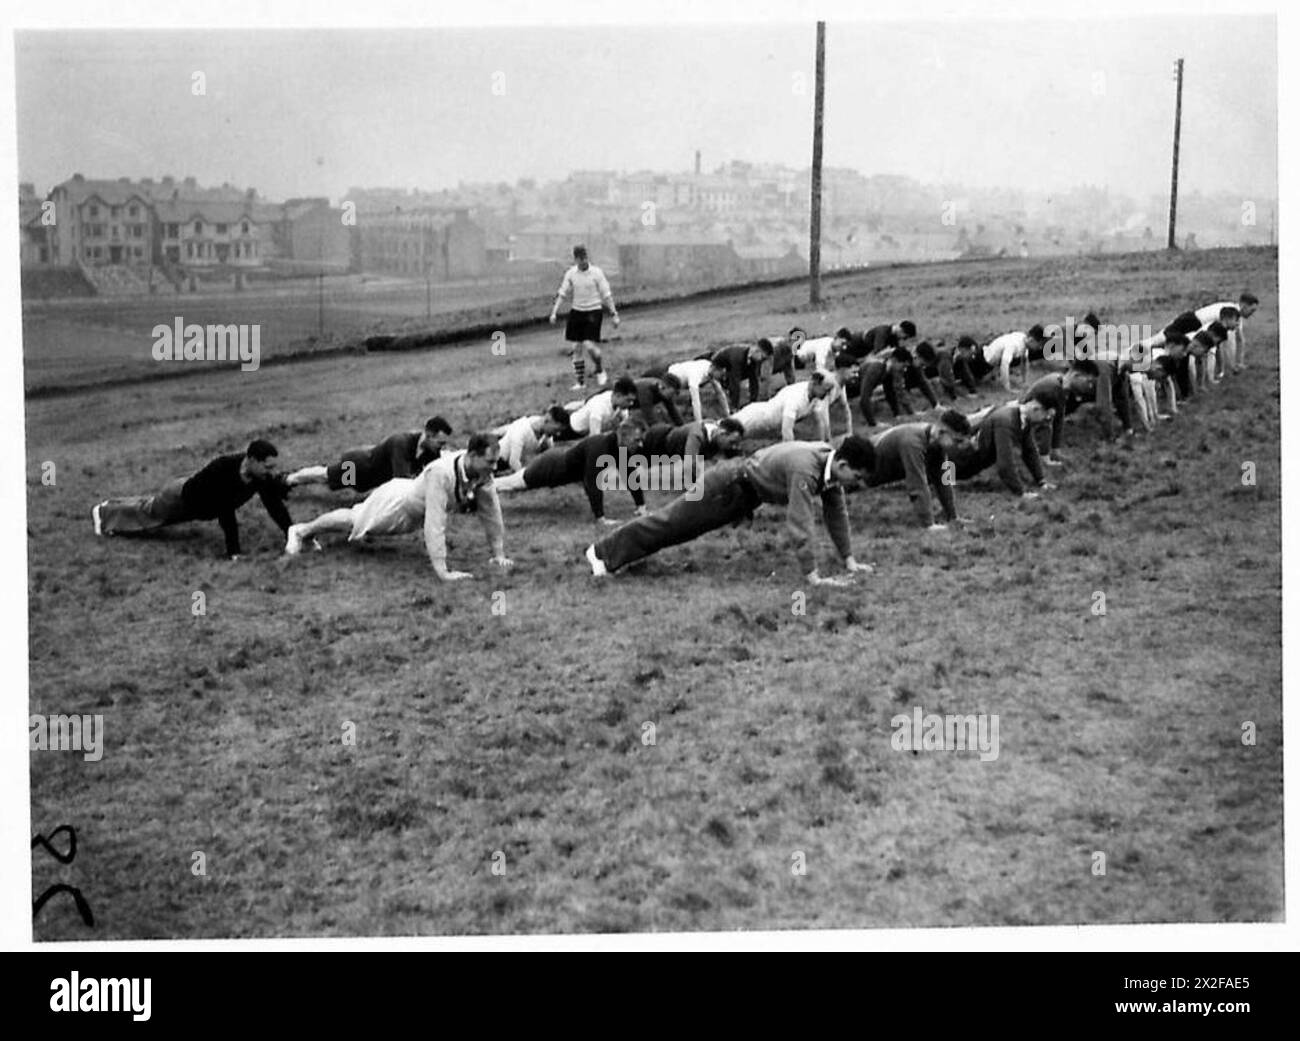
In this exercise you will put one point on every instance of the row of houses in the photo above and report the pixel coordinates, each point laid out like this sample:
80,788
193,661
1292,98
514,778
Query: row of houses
182,228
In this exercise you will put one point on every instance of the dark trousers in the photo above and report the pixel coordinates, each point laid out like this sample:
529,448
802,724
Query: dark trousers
549,470
726,497
145,512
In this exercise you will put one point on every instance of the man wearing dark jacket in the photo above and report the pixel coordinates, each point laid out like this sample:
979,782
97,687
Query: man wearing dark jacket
1061,393
398,455
214,493
797,474
997,437
742,363
915,453
652,393
704,440
581,462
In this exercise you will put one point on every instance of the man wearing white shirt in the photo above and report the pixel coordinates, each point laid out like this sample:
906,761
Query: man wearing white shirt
1233,315
587,291
817,352
790,404
690,375
600,411
459,482
1011,347
529,436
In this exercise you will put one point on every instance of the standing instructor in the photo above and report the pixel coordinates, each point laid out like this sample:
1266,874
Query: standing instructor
586,289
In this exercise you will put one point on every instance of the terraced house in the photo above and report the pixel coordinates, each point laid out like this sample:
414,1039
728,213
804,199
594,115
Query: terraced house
101,222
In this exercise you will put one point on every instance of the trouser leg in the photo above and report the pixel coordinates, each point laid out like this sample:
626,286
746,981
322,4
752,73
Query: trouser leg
722,501
138,513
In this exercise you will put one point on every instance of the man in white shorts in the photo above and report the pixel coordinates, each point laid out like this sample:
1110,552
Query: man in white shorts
459,482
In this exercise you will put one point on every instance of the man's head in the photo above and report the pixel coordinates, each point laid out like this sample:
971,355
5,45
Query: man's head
631,432
481,454
580,257
760,350
845,367
555,420
926,353
853,462
905,330
728,436
967,345
1218,332
1176,344
433,438
1035,336
899,358
1033,412
1229,317
1202,342
820,385
624,392
1247,304
951,429
1090,320
260,460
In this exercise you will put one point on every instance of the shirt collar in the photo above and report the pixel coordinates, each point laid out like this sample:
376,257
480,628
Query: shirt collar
828,476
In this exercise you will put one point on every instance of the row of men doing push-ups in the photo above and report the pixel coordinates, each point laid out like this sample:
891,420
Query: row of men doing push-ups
414,482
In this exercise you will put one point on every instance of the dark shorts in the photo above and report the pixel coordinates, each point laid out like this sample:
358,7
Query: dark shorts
583,325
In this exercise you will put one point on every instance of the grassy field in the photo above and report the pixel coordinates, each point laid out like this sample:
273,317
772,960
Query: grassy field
520,734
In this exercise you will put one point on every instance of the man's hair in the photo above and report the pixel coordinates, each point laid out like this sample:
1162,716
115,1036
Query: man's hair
844,360
579,251
1091,320
765,345
818,378
1249,298
858,452
1176,338
967,343
843,333
926,352
558,414
625,385
901,355
1035,332
795,331
1228,312
671,381
481,442
907,328
437,425
954,420
1206,337
261,450
1218,330
732,424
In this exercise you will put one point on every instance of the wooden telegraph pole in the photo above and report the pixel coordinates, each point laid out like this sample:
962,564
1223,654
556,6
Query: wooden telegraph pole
815,229
1178,127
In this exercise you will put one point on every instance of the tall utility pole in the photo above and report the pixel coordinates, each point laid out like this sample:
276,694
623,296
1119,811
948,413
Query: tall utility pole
815,229
1178,128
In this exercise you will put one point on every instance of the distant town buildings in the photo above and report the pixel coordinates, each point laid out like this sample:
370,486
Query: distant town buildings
741,220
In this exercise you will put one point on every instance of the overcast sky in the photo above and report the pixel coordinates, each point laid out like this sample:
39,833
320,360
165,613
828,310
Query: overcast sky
1037,105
